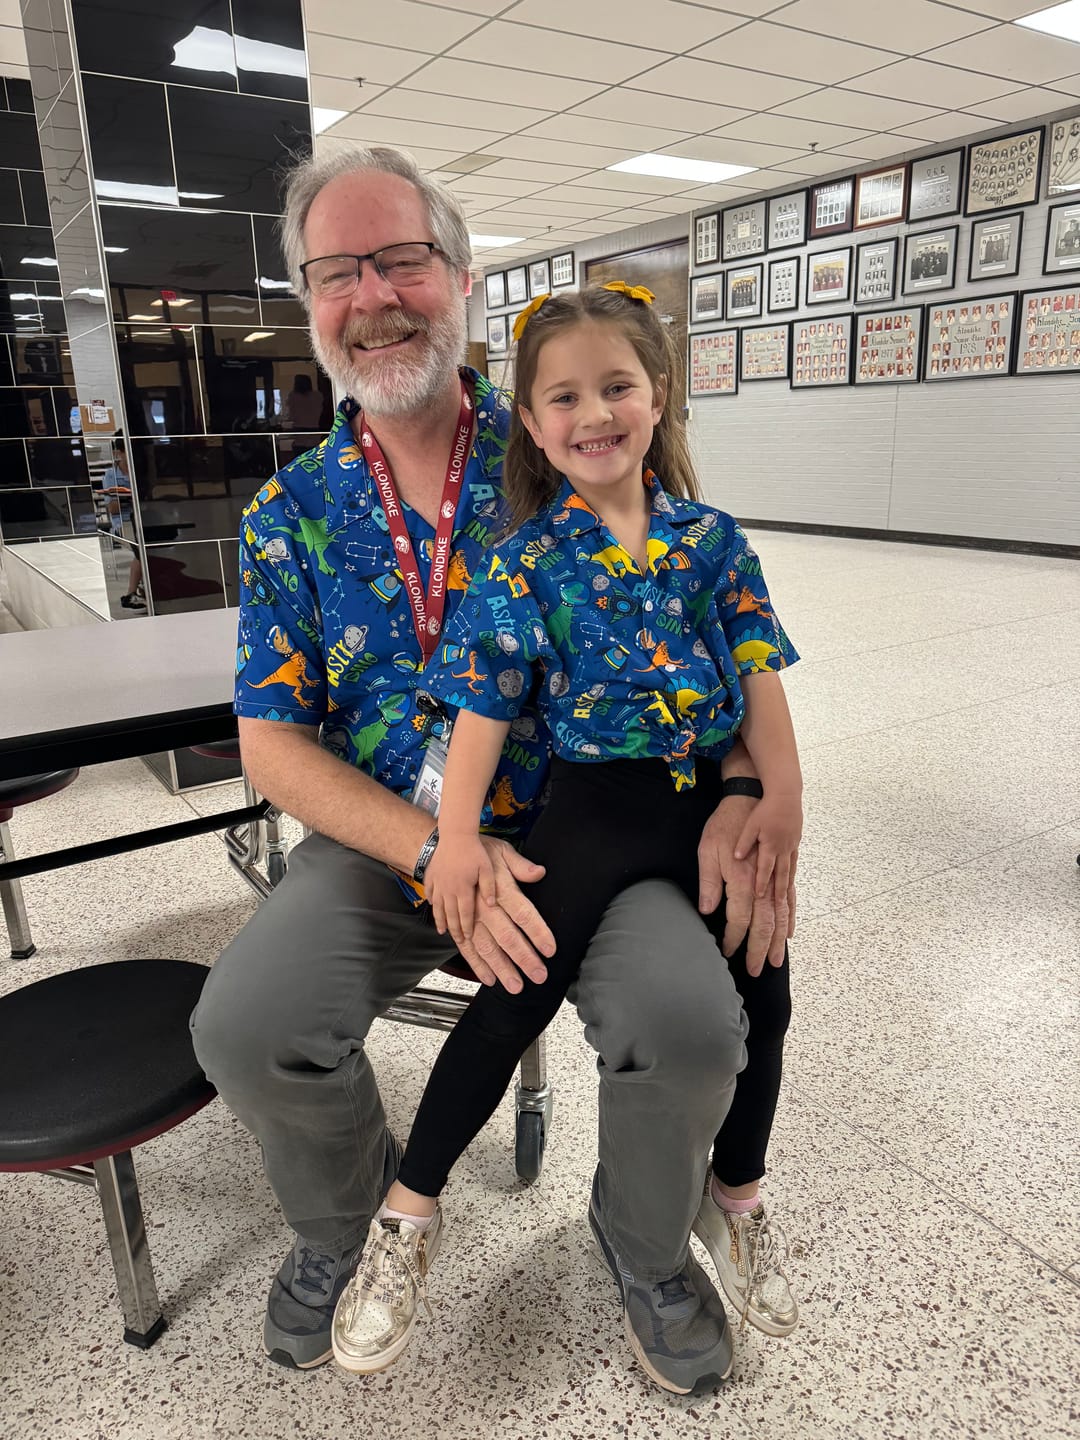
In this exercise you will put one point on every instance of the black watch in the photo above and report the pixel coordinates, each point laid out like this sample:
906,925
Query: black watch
742,785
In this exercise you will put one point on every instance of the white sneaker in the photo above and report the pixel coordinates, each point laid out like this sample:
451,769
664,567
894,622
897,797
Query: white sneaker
745,1251
374,1318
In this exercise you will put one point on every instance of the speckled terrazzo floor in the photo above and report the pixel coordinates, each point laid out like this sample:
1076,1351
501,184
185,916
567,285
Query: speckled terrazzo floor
924,1158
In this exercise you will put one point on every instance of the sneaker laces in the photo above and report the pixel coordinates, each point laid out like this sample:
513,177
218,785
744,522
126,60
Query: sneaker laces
762,1246
314,1269
386,1264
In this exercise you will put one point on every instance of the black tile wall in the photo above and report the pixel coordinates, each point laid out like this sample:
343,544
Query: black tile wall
262,23
35,201
184,577
129,140
205,259
58,462
230,149
162,393
14,470
30,514
196,489
19,95
41,360
251,380
11,202
279,303
151,40
26,411
19,142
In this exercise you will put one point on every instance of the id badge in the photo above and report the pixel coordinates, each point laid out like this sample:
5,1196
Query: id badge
427,792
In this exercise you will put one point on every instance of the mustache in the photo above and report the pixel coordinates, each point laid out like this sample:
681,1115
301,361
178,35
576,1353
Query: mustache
395,325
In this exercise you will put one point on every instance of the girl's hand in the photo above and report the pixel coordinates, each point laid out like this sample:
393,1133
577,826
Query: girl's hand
775,827
459,868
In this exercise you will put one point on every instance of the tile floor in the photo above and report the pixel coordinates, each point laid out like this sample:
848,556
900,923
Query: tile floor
924,1157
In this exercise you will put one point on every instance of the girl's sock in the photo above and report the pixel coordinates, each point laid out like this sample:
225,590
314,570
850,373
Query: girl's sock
732,1206
421,1222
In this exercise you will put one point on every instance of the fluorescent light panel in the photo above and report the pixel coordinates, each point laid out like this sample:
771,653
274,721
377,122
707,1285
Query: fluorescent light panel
493,242
322,119
678,167
1060,20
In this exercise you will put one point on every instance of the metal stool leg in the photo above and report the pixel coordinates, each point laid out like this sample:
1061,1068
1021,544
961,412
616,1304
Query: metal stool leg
533,1098
118,1192
11,897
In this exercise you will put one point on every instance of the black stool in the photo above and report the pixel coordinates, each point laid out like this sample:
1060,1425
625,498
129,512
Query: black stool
12,794
92,1063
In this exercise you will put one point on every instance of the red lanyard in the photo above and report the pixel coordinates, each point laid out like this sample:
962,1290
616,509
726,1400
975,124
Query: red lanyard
427,609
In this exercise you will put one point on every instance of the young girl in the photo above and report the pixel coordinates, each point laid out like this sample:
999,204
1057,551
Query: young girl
636,619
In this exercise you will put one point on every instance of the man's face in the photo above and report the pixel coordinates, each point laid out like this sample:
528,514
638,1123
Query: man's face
391,349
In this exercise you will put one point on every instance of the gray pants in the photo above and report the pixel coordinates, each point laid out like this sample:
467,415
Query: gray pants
281,1024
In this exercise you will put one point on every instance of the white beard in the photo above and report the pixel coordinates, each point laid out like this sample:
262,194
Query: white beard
404,382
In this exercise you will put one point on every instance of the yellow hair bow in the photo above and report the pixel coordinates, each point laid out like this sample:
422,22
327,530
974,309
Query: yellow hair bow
526,315
633,292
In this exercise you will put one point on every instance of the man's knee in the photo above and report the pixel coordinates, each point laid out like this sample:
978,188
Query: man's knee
656,993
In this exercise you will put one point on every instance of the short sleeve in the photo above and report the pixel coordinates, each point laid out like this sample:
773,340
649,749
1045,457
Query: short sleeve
752,631
486,661
280,671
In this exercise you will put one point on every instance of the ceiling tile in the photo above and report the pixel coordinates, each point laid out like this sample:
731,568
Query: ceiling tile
453,110
933,84
13,45
908,28
385,130
701,195
548,173
886,146
639,217
643,184
824,162
694,117
550,52
706,80
336,94
628,139
394,22
677,205
794,53
866,112
331,55
786,130
1070,84
1016,53
670,27
530,147
604,198
950,125
1027,104
479,182
426,158
474,7
509,87
742,7
722,150
1003,9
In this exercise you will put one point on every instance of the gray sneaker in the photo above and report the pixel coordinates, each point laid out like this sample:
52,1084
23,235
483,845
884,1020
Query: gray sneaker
677,1329
300,1310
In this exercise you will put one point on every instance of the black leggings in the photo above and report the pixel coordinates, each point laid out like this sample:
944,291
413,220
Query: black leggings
606,826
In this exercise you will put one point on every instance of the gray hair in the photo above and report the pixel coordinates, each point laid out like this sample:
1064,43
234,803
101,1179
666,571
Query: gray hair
313,173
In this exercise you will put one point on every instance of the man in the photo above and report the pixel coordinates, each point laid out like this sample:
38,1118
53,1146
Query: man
349,557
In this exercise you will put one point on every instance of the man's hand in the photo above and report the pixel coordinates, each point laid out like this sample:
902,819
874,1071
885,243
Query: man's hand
508,933
768,921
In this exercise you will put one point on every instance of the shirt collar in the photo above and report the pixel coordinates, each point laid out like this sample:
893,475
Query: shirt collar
569,514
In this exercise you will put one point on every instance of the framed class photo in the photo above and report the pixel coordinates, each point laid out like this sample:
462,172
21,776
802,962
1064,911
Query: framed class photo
495,290
765,352
539,278
970,339
742,231
706,240
743,291
1004,173
821,352
1063,170
875,272
831,207
787,220
784,283
497,334
562,270
1062,238
714,363
517,286
887,347
1049,331
930,260
880,196
995,247
935,186
828,276
706,298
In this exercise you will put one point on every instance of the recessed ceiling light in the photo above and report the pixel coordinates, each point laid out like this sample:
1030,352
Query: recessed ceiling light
144,317
116,249
40,260
322,119
677,167
491,242
259,335
1060,20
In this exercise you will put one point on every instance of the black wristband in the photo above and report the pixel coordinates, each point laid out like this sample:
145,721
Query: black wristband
423,860
742,785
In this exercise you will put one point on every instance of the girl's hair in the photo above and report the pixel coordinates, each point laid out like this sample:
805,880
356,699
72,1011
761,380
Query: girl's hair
530,480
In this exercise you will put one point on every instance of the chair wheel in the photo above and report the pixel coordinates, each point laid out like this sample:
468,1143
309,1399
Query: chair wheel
275,867
529,1144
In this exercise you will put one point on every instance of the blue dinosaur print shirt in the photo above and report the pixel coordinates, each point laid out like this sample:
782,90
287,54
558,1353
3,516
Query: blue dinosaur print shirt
326,633
619,663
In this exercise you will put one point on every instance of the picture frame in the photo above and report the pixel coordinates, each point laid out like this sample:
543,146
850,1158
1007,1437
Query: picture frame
828,276
495,290
706,298
765,352
713,366
539,278
888,346
562,270
935,186
821,351
1063,164
743,291
995,247
880,197
973,338
784,283
1048,330
831,206
707,239
1004,173
787,220
498,334
742,231
875,271
1062,249
517,286
930,260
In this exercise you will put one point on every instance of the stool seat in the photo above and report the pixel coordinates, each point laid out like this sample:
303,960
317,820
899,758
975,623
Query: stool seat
97,1060
220,749
28,788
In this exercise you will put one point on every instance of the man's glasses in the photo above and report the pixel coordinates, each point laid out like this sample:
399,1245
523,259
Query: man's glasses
332,277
